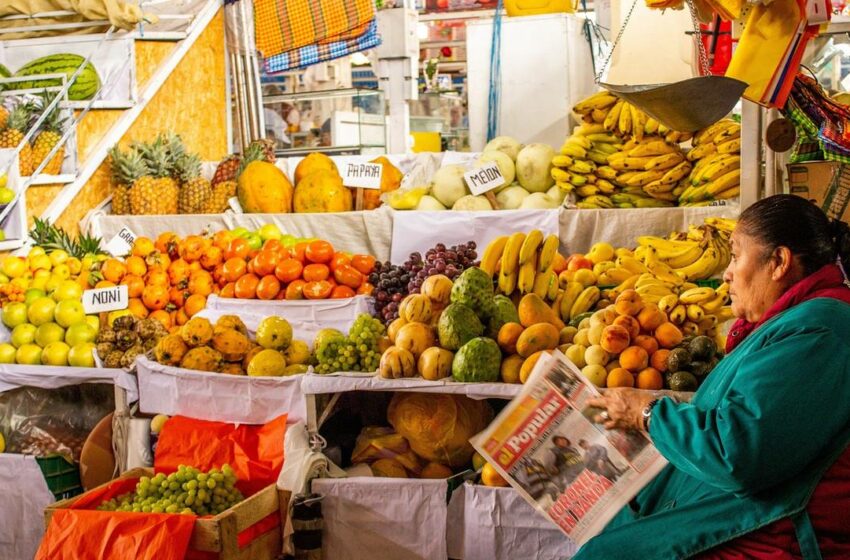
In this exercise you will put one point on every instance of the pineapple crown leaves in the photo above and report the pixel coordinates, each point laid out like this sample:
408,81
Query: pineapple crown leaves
156,156
20,116
53,238
254,152
127,166
188,167
54,122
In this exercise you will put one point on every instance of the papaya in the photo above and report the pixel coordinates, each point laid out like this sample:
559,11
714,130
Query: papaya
263,188
314,162
532,310
322,191
542,336
390,180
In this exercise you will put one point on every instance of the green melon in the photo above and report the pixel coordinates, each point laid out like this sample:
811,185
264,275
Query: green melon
4,73
84,87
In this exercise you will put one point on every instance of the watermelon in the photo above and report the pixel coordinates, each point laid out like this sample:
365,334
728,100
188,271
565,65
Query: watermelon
85,86
4,73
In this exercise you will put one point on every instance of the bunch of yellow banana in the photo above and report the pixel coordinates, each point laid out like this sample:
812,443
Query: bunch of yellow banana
596,106
524,263
698,310
575,299
716,173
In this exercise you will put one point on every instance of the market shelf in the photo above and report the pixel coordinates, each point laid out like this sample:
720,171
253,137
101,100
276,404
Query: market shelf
316,384
106,104
63,179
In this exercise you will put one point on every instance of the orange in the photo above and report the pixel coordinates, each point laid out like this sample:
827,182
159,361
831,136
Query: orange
298,251
339,259
646,342
288,270
650,378
319,251
658,360
620,377
142,247
273,245
234,269
316,272
238,248
318,290
348,276
136,266
194,304
268,287
342,292
668,335
228,290
246,287
634,358
265,263
363,263
295,289
162,316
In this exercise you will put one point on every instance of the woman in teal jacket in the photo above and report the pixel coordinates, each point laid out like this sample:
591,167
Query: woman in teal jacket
759,461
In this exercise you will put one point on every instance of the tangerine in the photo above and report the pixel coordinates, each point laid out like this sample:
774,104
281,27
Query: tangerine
234,269
318,289
319,251
237,248
295,290
342,292
246,287
365,289
268,287
288,270
620,377
651,379
339,259
348,276
228,290
265,263
316,272
364,264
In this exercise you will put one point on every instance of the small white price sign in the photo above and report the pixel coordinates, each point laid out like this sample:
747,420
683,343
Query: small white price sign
101,300
362,175
122,243
484,178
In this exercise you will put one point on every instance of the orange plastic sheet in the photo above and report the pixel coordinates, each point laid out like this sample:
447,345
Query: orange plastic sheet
82,533
254,452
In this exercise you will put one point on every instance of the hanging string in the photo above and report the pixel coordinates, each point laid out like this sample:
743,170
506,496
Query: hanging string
495,74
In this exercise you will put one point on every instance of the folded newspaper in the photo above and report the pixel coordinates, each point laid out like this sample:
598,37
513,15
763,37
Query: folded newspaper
547,444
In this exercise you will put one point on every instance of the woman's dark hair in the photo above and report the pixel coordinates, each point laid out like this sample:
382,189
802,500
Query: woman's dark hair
794,222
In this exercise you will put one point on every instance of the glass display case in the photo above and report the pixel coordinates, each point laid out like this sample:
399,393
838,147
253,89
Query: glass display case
341,122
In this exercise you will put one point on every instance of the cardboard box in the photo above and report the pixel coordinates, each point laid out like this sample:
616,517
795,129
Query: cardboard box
219,534
826,183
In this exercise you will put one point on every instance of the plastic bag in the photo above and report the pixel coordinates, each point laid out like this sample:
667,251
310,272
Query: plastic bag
375,443
44,422
438,427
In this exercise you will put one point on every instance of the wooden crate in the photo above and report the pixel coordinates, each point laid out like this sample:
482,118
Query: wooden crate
219,533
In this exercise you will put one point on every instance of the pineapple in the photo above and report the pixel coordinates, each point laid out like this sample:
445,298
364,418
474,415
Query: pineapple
157,192
226,169
194,189
226,188
267,145
127,167
4,117
50,135
16,126
52,238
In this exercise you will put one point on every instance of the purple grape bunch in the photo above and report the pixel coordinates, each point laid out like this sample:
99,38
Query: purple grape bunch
390,283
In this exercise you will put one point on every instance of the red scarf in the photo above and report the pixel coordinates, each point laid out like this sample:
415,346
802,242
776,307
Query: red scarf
828,282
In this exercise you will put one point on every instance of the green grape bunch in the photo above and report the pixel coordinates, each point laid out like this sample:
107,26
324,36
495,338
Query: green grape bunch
186,491
356,352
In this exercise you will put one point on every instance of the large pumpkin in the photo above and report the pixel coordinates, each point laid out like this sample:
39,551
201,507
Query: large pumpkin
263,188
314,162
390,181
321,191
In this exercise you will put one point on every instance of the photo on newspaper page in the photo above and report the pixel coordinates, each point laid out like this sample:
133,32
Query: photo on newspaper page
546,444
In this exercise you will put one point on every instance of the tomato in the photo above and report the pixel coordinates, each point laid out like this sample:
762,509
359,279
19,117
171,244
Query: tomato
364,264
348,276
318,290
316,272
342,292
365,289
295,289
265,262
212,257
268,288
340,259
298,251
246,287
135,285
237,248
194,304
234,269
319,251
229,290
288,270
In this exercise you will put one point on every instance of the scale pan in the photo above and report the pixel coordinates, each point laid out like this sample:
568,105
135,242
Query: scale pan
686,106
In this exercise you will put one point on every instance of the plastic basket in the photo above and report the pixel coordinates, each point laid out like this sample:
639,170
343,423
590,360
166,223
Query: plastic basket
62,476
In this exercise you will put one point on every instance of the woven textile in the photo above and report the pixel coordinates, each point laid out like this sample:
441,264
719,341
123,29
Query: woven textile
284,26
819,120
322,52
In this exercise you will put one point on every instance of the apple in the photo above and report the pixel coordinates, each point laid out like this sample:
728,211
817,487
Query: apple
48,333
69,312
40,311
80,333
33,294
62,270
13,267
81,355
59,257
28,354
14,314
94,322
288,240
23,334
254,241
7,353
67,289
39,262
55,354
240,232
269,231
7,195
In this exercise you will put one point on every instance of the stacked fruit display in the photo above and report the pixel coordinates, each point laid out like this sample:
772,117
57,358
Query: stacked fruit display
125,338
632,343
717,165
359,350
226,347
50,330
186,491
525,263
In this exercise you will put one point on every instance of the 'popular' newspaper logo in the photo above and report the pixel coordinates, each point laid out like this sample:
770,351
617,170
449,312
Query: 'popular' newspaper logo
537,424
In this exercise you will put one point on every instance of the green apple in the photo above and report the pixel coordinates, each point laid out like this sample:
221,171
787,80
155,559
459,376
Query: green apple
254,241
67,289
288,240
40,311
94,321
269,231
28,354
7,195
14,314
13,267
23,334
59,257
69,312
55,354
33,294
81,355
7,353
80,333
240,232
48,333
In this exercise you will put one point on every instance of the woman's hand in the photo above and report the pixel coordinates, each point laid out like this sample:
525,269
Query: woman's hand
624,407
